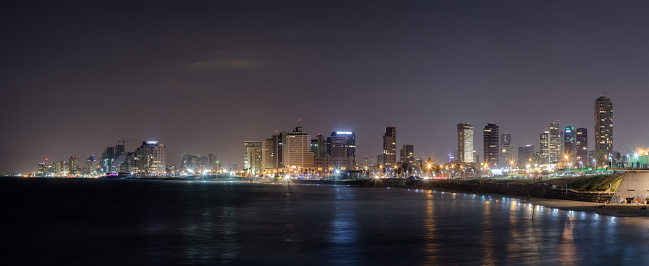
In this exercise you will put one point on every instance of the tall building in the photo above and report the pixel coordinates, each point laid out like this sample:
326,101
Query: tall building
319,146
92,165
491,146
464,143
407,154
506,149
570,144
151,158
390,146
581,146
296,150
278,149
252,160
555,143
107,158
73,165
267,157
341,150
525,155
544,147
603,127
213,163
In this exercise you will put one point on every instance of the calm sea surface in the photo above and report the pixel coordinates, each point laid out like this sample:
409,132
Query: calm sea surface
116,222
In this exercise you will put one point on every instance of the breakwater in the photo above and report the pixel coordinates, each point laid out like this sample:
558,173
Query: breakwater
533,189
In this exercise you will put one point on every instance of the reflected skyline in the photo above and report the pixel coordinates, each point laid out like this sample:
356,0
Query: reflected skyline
244,223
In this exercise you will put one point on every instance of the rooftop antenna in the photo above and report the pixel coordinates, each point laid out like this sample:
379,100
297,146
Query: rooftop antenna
299,122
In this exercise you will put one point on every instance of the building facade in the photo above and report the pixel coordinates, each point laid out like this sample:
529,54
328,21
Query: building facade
555,143
296,150
525,155
570,144
506,149
407,154
581,146
341,150
151,158
252,161
491,144
464,143
543,147
390,146
603,128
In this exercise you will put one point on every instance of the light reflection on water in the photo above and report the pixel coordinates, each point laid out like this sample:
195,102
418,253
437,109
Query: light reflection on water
211,222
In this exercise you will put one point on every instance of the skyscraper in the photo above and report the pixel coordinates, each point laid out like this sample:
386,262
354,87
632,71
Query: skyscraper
319,146
506,149
407,154
603,127
464,143
296,150
252,160
341,150
73,165
390,146
267,156
150,158
544,145
569,143
278,149
581,146
525,155
555,143
491,146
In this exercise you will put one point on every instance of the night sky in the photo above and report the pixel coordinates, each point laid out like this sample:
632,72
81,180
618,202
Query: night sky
204,77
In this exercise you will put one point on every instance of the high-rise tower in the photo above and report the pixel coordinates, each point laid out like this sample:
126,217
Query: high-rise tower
491,144
506,149
569,143
581,146
390,146
543,149
464,143
603,127
555,143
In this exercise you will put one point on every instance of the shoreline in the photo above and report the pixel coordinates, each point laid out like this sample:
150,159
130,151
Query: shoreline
607,209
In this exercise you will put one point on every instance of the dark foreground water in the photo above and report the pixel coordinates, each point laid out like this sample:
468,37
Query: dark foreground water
73,221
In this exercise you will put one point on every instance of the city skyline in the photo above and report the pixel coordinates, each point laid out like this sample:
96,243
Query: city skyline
554,135
78,78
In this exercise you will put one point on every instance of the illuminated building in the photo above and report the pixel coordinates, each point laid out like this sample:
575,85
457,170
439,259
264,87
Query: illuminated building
341,150
296,150
570,143
267,158
603,127
390,146
73,165
407,154
555,143
464,143
544,144
491,144
150,158
506,149
252,161
278,148
92,165
581,145
319,146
